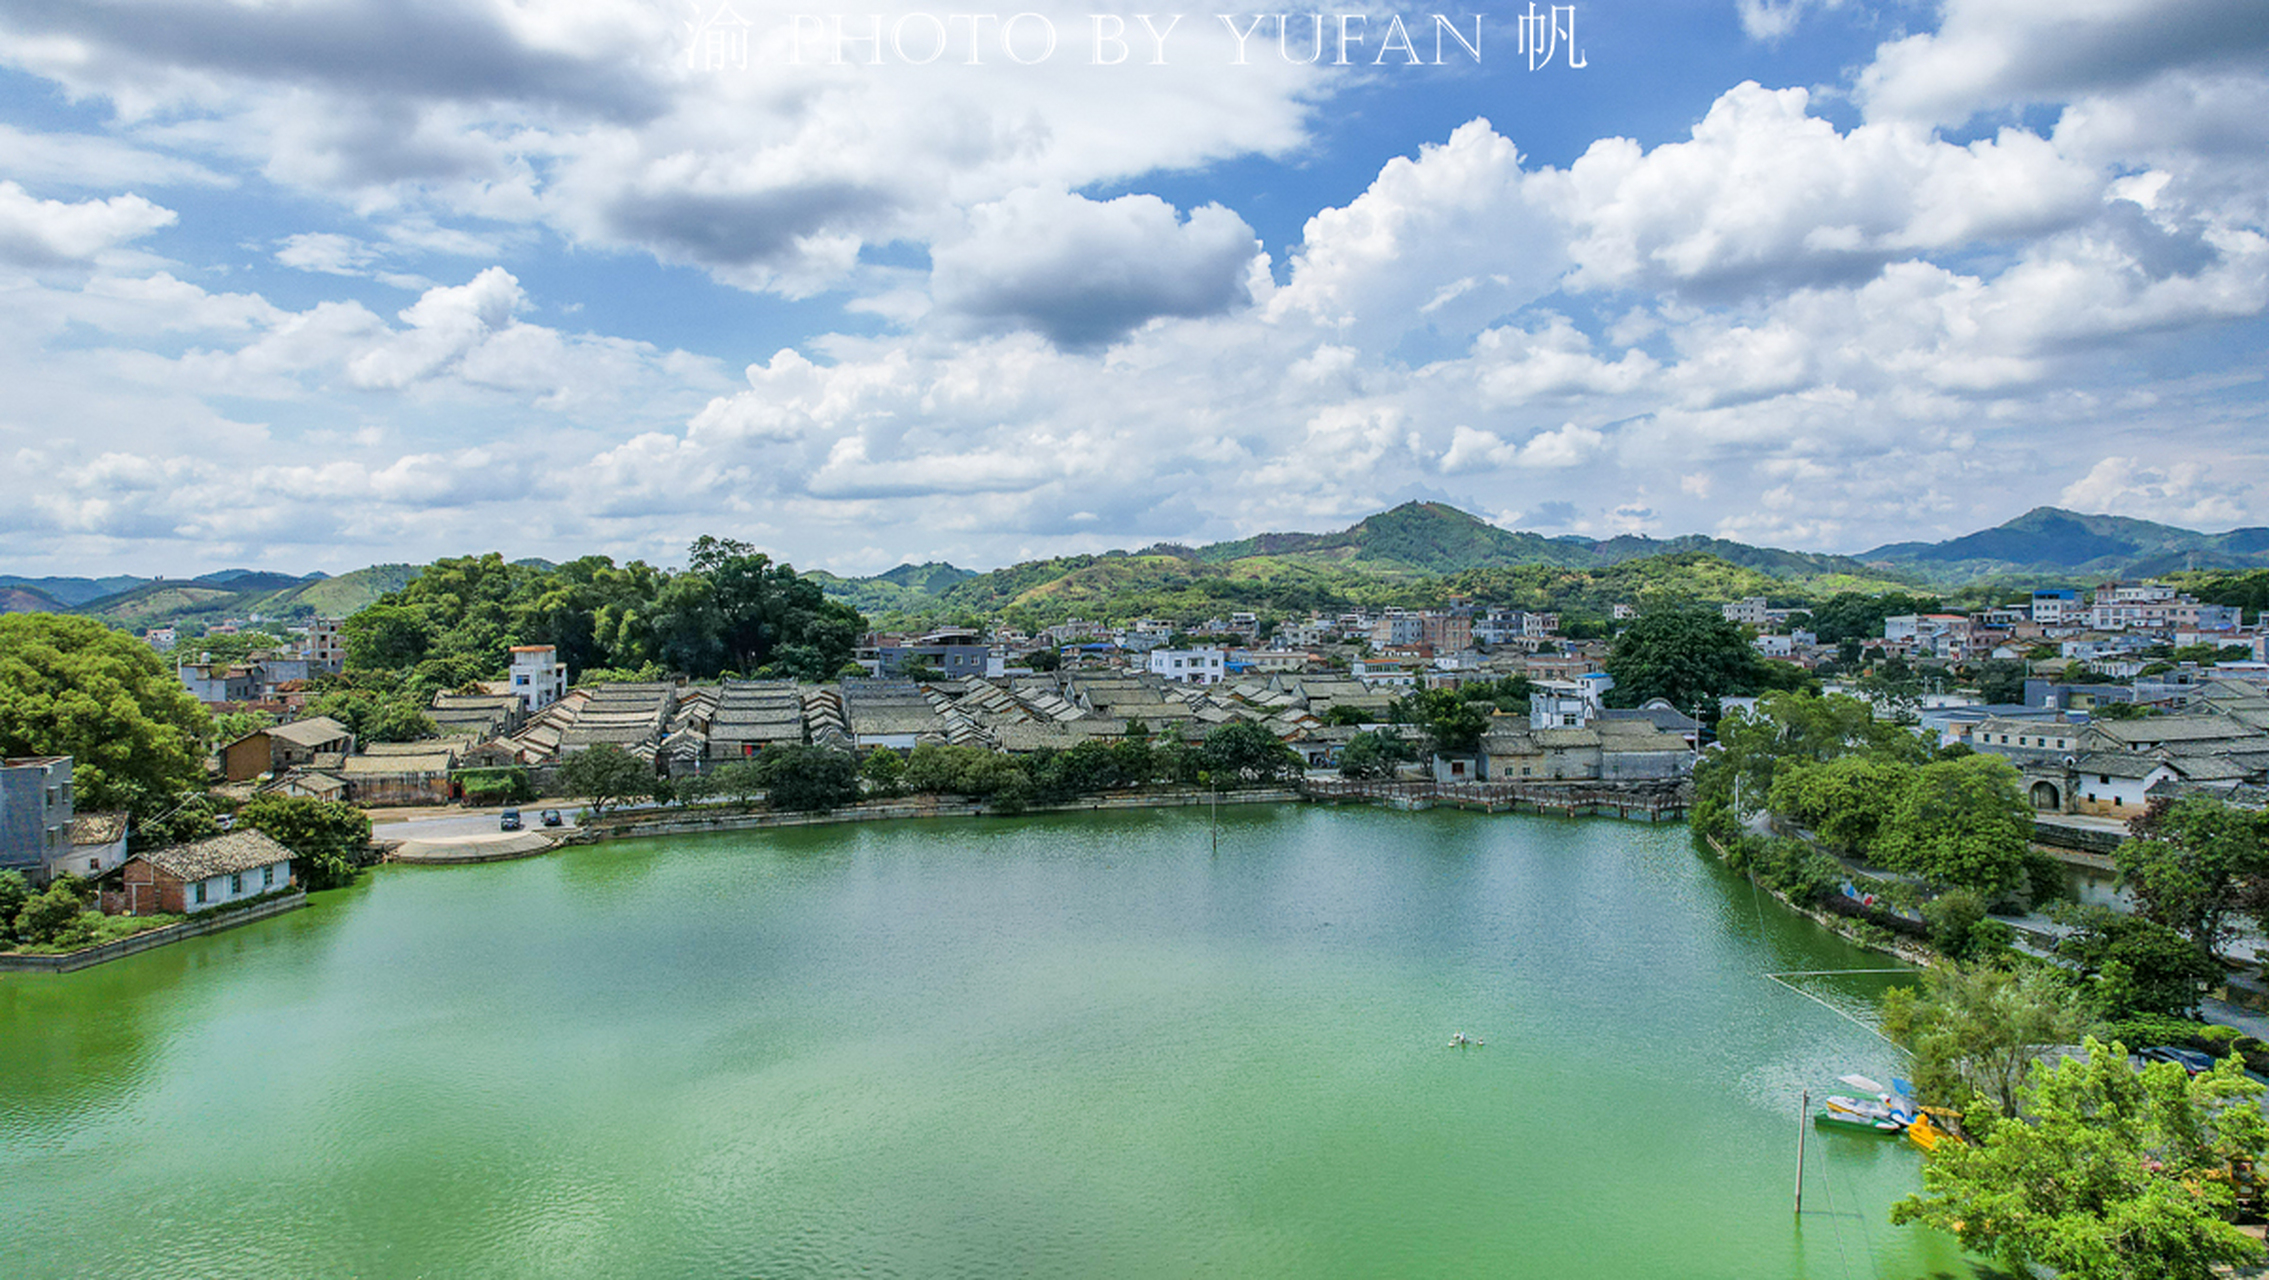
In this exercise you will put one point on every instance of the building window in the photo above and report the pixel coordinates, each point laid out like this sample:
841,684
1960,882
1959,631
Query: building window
235,884
200,891
267,876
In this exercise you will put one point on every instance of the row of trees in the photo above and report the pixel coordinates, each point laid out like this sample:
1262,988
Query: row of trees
811,777
730,611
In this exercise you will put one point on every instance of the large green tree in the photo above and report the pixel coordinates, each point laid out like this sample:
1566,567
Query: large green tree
329,839
2194,865
2137,967
1962,823
1688,656
606,774
73,687
2111,1174
1974,1030
1243,754
1843,800
807,778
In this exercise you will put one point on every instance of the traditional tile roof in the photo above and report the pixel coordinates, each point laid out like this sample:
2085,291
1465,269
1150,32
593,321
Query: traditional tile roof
98,828
222,855
2117,764
431,762
316,731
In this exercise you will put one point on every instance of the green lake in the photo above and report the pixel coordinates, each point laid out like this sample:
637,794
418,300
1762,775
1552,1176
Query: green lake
1065,1046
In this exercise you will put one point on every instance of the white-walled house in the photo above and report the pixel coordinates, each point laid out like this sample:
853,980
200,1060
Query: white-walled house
185,879
1190,666
538,676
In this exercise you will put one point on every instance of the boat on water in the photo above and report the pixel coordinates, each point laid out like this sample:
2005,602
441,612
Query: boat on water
1924,1134
1849,1123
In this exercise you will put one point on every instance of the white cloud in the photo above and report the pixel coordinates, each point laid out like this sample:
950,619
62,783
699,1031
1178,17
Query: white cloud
1987,54
1451,236
2185,493
45,233
1767,195
1085,272
91,160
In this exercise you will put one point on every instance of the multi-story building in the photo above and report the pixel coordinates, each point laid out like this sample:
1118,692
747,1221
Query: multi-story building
35,813
1399,630
538,676
1446,632
1190,666
326,647
1752,611
2059,607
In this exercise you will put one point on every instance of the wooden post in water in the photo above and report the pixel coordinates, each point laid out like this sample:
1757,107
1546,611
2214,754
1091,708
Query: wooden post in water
1801,1107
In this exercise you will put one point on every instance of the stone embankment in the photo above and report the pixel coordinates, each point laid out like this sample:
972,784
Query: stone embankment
694,821
218,920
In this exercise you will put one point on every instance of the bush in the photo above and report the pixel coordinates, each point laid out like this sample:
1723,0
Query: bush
496,786
808,778
1960,928
329,839
14,893
45,919
884,770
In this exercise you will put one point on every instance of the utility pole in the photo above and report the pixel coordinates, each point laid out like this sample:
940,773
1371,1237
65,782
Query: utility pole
1801,1108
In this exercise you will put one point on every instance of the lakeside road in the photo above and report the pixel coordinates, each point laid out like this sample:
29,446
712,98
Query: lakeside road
455,822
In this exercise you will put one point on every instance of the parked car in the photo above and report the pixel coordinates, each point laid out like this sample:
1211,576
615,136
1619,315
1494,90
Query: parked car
550,817
2189,1060
509,820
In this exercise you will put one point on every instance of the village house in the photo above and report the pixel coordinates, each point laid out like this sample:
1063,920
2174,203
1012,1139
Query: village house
35,813
538,676
188,878
284,746
97,845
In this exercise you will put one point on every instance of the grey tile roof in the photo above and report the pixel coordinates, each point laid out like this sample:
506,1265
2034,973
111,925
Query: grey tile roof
222,855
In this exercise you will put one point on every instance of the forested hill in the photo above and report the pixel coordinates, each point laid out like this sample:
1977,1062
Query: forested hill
2049,541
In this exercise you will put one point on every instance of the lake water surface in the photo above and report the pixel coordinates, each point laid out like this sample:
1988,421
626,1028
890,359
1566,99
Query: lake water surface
1061,1046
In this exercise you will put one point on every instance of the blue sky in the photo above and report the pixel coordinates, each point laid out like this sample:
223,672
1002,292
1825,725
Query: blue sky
318,284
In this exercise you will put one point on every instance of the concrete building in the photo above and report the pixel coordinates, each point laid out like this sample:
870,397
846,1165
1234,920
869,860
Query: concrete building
35,813
538,676
1190,666
185,879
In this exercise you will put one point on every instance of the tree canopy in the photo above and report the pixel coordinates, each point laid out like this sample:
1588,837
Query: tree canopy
1687,656
1961,822
73,687
2112,1174
2195,865
1973,1030
328,838
606,774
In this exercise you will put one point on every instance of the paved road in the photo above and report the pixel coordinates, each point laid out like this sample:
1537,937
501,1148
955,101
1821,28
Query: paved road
446,824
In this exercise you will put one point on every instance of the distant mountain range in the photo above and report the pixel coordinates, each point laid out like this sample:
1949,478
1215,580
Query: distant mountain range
1414,543
2051,541
226,593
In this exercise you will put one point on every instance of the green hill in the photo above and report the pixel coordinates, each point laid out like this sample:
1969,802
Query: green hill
2066,546
340,596
28,599
69,592
1414,555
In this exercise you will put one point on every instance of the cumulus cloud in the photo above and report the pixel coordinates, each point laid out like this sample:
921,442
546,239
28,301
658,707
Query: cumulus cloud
46,233
1766,195
2187,493
1997,53
601,121
1775,326
1085,272
1450,238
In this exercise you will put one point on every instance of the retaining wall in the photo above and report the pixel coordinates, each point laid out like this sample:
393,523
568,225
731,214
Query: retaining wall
140,942
694,822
